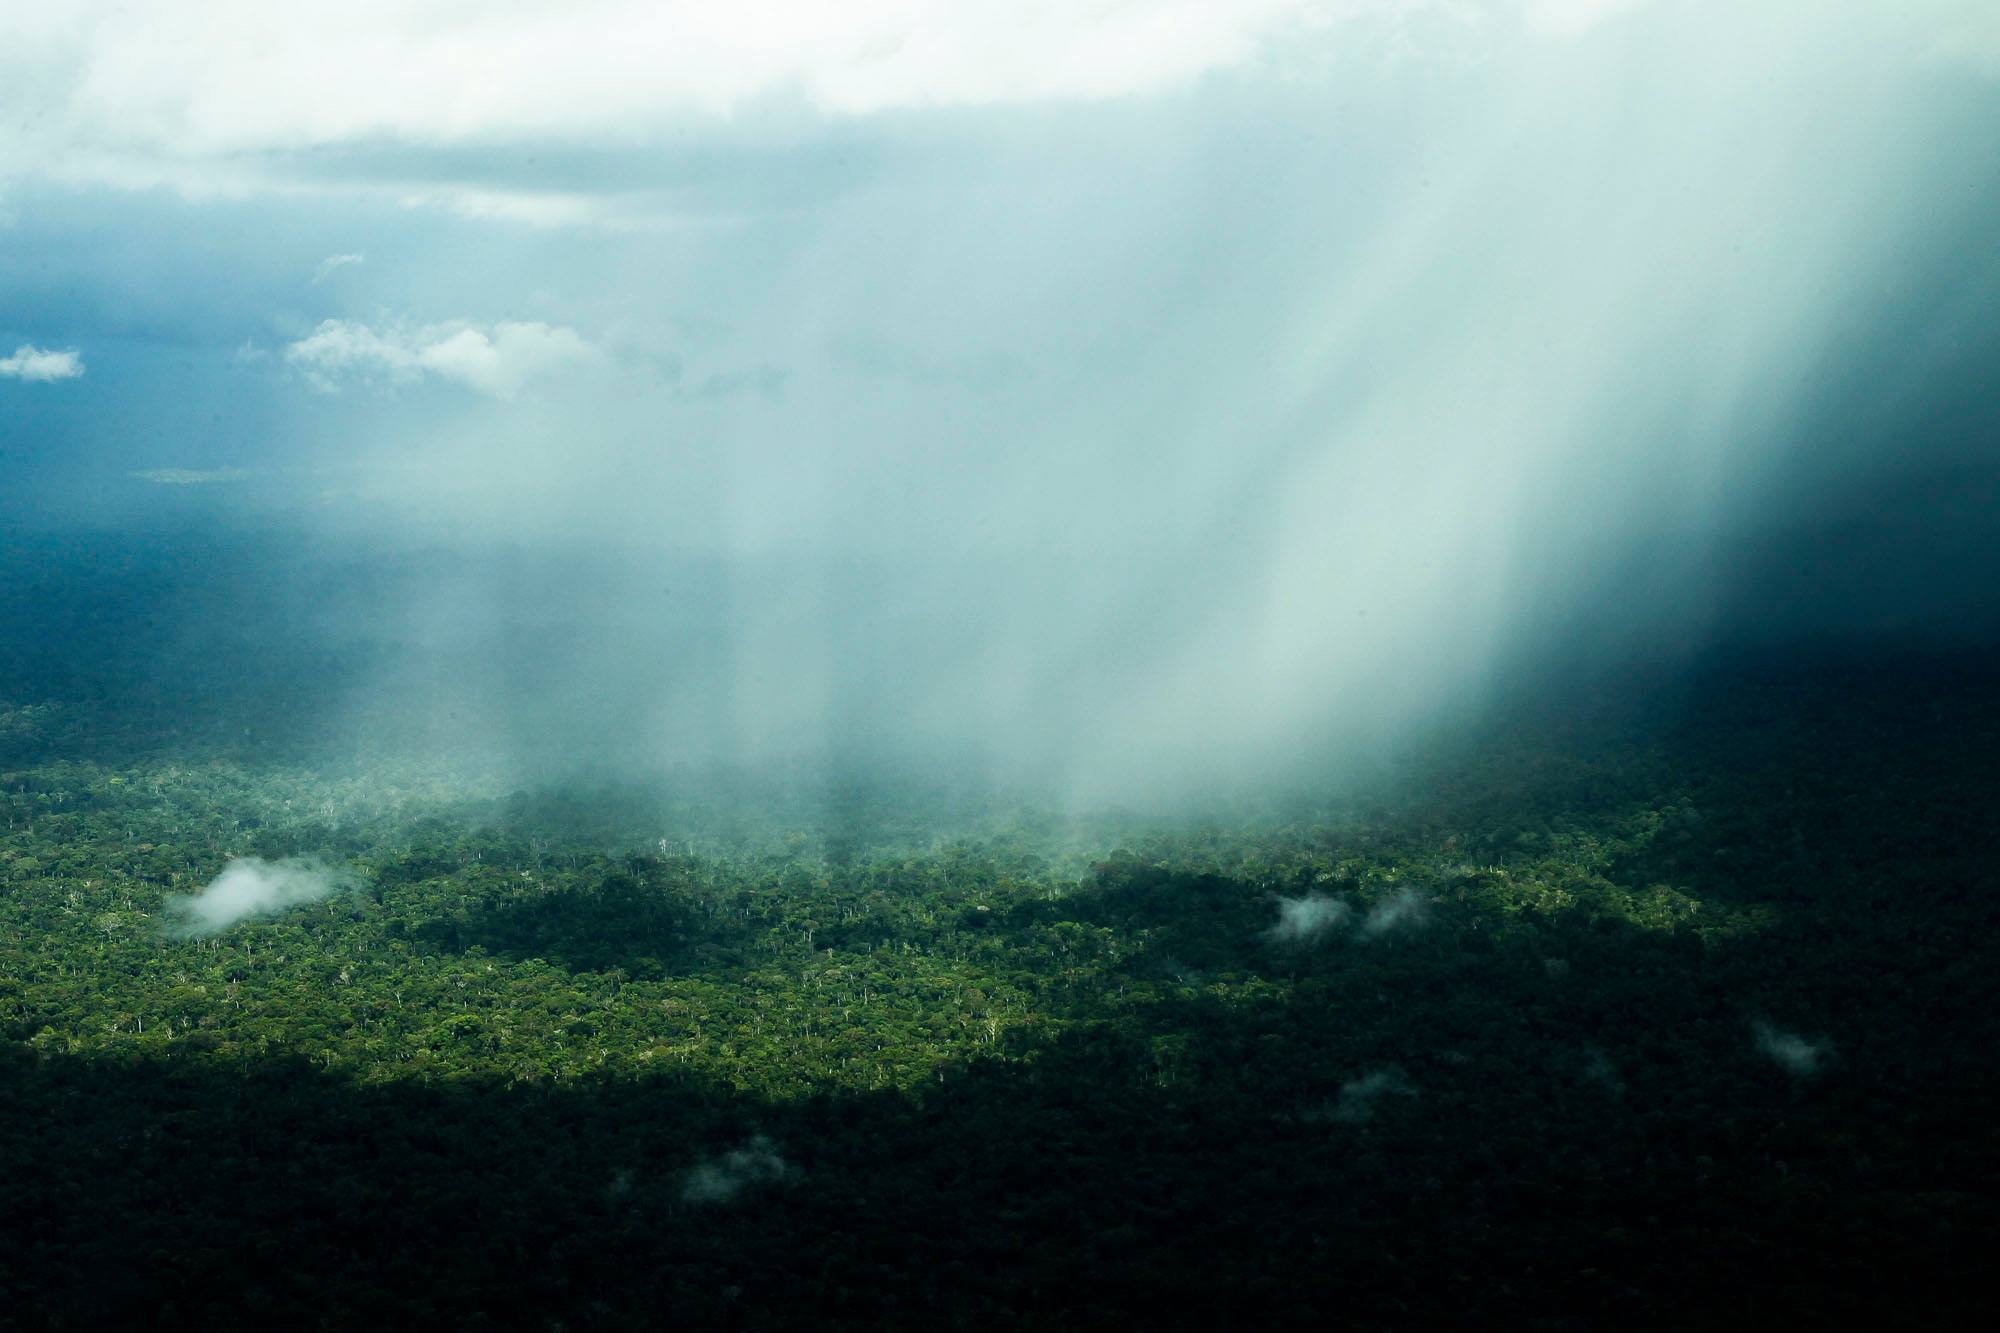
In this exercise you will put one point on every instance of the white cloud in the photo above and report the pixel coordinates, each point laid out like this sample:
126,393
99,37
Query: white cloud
250,887
1802,1057
332,264
38,365
237,75
230,98
342,350
225,98
1307,920
513,354
499,360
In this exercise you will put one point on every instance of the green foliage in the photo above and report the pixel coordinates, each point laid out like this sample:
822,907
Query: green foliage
1030,1070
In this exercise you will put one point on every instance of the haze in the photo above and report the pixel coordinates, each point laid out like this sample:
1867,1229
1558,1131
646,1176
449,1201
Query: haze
1137,403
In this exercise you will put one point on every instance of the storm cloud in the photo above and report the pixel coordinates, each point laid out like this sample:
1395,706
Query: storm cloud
1133,402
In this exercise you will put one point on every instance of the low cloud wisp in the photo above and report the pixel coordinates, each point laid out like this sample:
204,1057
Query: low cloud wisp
1359,1096
1303,922
722,1179
1799,1056
1404,910
250,887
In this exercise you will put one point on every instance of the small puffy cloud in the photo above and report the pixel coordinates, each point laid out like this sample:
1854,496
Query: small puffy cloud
343,351
39,365
721,1179
1306,921
250,886
333,264
1798,1056
498,360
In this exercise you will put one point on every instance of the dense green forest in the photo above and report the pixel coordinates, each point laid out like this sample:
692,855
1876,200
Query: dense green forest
1643,1008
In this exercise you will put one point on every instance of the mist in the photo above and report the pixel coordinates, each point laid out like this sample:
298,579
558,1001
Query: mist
1359,1097
1137,441
1306,921
1799,1056
723,1178
252,887
1405,909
